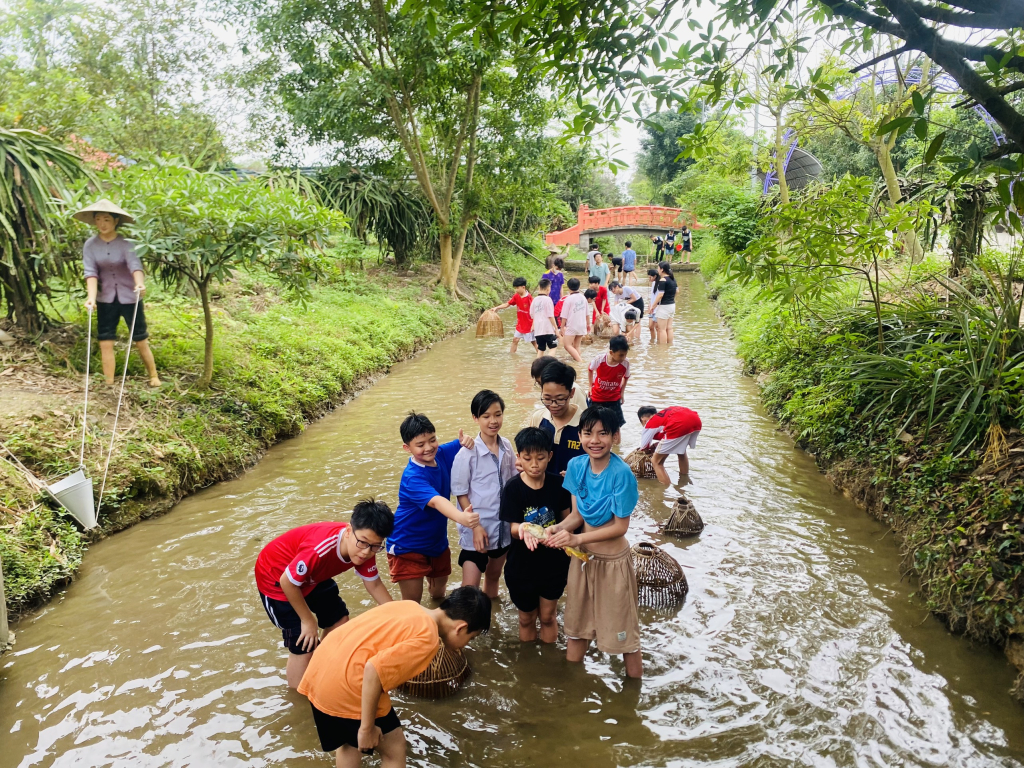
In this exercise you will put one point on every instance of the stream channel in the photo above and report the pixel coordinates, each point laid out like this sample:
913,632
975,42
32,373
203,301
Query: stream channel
799,643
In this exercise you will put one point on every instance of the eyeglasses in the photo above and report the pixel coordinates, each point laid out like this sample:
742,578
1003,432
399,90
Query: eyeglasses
360,544
556,400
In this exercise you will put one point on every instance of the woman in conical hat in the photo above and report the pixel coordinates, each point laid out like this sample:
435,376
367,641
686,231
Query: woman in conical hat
114,281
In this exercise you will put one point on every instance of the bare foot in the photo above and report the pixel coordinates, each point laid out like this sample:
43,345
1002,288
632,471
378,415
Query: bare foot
155,382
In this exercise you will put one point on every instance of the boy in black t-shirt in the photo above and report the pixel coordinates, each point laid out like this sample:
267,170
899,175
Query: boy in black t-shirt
534,574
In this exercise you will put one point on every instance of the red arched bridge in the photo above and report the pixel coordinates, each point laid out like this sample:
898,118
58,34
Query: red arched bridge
647,219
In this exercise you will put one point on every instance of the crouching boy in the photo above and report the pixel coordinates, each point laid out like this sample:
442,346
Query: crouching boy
672,431
295,576
601,596
535,575
347,682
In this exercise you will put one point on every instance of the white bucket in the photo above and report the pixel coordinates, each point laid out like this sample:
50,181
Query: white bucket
75,493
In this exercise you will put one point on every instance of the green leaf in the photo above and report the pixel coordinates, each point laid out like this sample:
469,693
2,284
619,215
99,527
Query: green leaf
921,129
934,147
899,124
919,103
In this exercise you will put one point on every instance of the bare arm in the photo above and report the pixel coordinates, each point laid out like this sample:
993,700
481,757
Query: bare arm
309,636
378,591
479,534
91,286
466,517
614,529
369,733
140,282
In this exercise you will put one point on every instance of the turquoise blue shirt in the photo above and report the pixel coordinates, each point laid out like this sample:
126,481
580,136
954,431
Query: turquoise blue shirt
613,493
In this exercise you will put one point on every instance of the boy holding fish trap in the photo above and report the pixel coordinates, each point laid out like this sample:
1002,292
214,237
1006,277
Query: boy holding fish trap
601,593
533,502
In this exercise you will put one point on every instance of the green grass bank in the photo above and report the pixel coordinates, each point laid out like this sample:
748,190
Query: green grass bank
958,513
278,365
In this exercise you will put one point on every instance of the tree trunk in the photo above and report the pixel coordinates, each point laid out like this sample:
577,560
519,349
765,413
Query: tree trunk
780,161
21,303
449,272
892,187
204,294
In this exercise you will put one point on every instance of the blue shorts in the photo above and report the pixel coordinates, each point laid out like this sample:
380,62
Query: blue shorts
324,601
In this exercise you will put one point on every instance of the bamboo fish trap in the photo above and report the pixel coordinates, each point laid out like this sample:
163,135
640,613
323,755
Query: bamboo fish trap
684,520
659,577
447,672
490,324
641,465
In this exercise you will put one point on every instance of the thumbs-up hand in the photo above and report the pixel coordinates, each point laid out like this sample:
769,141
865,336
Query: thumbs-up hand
466,442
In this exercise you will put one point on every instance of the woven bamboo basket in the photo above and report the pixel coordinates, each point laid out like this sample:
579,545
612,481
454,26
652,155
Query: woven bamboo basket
641,465
684,520
490,324
447,672
659,577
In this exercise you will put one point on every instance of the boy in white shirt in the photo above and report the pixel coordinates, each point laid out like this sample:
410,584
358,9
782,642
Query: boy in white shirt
545,329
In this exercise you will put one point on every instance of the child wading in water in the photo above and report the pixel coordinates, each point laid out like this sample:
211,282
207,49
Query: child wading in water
535,575
295,577
542,311
418,547
478,475
601,596
609,374
521,300
576,313
348,681
557,278
672,431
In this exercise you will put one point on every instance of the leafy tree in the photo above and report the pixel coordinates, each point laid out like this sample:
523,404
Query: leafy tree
414,82
35,173
197,227
660,157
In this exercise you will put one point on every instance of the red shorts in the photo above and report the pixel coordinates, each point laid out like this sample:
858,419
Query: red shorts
414,566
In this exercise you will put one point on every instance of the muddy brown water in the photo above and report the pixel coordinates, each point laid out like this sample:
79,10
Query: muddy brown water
799,643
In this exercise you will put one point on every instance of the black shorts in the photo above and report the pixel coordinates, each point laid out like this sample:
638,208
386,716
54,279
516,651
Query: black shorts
480,559
629,271
108,316
688,247
614,406
546,341
324,601
335,732
617,261
525,594
638,304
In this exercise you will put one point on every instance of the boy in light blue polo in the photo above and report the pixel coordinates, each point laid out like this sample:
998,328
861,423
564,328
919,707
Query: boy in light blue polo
478,476
628,264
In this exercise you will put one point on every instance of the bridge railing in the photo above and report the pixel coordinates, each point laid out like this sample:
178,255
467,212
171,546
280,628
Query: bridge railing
631,215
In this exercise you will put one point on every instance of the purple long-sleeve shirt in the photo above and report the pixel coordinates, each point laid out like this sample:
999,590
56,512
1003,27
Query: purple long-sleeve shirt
112,265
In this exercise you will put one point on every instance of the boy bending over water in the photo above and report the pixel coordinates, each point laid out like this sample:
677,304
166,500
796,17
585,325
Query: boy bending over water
354,668
295,577
601,596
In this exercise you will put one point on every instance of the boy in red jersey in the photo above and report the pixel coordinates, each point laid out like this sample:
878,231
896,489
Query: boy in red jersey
675,431
521,300
609,374
295,576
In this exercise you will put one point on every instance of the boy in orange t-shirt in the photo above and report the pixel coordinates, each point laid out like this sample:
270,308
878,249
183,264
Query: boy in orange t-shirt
357,664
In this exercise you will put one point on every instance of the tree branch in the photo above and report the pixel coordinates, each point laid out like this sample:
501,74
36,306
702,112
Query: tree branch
1011,15
878,59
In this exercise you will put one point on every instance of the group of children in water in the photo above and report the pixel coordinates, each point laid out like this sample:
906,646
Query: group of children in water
548,510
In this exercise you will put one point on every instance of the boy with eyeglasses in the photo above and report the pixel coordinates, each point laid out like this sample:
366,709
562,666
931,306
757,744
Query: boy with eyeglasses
295,577
559,416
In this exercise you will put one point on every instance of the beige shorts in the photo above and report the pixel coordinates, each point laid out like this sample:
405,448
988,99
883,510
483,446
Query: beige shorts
601,602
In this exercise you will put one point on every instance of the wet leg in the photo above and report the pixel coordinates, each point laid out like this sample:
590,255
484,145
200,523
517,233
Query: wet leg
493,576
470,574
392,749
634,664
296,668
437,586
658,462
576,649
548,621
348,757
527,626
411,589
684,464
515,346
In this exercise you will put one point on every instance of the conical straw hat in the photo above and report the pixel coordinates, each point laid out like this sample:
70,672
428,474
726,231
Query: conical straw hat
103,206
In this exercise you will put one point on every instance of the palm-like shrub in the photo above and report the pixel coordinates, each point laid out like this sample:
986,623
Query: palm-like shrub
35,172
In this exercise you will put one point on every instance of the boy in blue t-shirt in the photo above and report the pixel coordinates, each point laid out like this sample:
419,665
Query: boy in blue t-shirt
601,598
418,545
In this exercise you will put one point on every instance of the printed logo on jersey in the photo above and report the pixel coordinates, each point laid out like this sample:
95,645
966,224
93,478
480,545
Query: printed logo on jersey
300,568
